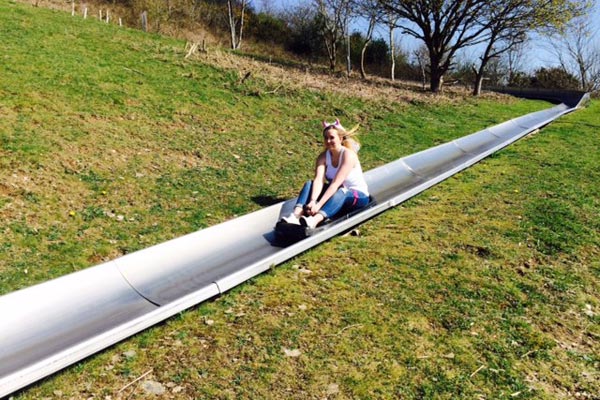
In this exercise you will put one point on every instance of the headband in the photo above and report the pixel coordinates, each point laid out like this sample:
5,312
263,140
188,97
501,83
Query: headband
335,124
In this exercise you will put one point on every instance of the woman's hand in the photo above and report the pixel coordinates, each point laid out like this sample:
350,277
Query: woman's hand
312,208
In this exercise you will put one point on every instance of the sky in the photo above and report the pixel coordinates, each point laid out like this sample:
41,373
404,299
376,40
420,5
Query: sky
536,55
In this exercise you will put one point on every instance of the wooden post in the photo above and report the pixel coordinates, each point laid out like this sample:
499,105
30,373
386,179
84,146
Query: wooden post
72,8
392,53
85,13
120,22
100,14
145,21
107,16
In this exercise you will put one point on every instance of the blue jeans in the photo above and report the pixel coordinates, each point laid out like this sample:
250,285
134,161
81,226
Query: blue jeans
343,199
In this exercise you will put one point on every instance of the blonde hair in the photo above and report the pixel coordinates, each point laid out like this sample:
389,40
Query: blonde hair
348,138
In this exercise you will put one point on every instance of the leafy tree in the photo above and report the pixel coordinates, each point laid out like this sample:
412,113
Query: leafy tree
520,79
357,42
463,71
211,13
376,55
268,28
554,78
304,40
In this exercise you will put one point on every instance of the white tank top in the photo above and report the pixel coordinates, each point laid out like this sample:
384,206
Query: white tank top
355,179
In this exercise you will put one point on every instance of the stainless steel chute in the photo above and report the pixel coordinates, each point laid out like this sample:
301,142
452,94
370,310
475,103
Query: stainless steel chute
54,324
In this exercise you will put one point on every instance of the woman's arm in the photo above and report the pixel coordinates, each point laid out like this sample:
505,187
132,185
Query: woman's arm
349,160
318,182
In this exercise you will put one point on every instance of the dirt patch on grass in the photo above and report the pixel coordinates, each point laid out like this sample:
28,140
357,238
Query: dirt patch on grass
304,76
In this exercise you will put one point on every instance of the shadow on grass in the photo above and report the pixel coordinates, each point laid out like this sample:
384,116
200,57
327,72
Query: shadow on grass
265,201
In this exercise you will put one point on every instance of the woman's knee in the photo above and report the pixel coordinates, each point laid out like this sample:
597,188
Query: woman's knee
340,195
362,200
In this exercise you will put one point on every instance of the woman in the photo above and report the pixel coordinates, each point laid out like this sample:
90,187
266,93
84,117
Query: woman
338,183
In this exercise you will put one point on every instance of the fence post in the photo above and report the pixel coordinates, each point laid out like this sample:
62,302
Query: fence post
85,13
145,21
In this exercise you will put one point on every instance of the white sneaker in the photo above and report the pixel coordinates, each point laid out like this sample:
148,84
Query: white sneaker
291,219
309,222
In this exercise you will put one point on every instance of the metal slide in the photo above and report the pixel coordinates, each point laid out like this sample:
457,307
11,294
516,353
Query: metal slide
49,326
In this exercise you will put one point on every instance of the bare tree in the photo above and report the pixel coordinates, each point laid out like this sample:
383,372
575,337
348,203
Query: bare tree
513,59
506,30
578,51
421,56
444,26
391,23
368,40
235,14
347,16
508,23
267,7
370,10
335,18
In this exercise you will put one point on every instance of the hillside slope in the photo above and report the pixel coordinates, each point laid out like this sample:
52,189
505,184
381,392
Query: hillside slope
483,287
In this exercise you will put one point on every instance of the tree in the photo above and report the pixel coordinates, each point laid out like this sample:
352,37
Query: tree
463,70
421,58
554,78
444,26
507,29
266,7
369,38
578,51
391,22
378,53
508,23
520,79
334,18
375,56
370,10
513,59
304,24
235,14
158,12
346,30
268,28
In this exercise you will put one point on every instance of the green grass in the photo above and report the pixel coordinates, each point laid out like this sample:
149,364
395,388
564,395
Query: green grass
485,286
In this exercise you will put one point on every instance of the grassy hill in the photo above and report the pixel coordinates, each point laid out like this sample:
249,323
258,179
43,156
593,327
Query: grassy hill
485,286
